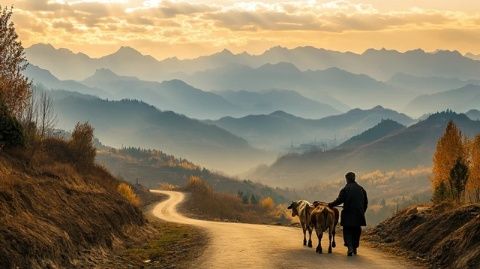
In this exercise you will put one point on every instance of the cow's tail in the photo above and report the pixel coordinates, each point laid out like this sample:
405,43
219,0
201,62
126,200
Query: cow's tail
325,218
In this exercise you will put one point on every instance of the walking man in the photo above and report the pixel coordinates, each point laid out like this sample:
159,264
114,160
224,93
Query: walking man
355,202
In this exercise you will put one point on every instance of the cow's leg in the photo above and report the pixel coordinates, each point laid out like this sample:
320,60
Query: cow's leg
330,240
333,238
304,235
310,230
319,235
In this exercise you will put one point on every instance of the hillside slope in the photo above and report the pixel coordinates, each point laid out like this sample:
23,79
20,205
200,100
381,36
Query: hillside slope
444,235
54,213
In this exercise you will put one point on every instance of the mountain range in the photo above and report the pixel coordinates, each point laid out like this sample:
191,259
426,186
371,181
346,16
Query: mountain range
460,100
279,130
355,90
178,96
376,63
338,79
381,148
134,123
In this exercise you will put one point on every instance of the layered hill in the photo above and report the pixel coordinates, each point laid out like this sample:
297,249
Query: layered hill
460,100
268,101
174,95
279,130
375,63
154,168
355,90
473,114
402,149
134,123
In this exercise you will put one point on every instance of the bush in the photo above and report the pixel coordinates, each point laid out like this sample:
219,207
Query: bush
11,131
82,145
267,203
127,192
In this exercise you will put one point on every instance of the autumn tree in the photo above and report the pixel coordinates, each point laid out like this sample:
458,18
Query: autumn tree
450,148
82,144
14,85
473,183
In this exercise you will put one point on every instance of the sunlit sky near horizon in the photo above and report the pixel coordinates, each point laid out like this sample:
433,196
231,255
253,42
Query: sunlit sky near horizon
187,29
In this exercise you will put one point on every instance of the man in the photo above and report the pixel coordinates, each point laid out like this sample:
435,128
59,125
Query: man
355,202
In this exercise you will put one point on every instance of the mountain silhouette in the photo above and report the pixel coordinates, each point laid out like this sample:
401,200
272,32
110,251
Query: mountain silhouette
375,63
134,123
268,101
401,149
460,100
279,130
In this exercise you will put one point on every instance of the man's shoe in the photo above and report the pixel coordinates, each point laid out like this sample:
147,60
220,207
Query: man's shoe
349,252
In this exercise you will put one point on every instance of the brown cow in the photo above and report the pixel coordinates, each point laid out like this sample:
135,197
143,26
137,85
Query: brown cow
324,218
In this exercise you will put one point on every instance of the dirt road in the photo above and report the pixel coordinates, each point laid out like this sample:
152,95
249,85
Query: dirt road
237,245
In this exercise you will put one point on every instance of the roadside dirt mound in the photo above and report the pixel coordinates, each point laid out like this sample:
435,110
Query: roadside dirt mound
444,235
51,215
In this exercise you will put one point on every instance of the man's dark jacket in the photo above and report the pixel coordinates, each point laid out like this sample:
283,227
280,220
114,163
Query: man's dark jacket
355,203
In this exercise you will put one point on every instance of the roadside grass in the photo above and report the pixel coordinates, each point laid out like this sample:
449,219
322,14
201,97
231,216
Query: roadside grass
173,246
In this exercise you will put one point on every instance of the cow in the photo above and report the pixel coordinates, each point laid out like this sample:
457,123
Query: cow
324,218
302,209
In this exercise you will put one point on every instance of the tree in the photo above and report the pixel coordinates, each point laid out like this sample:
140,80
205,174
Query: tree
450,148
473,183
458,179
253,199
46,114
440,193
11,131
14,86
82,146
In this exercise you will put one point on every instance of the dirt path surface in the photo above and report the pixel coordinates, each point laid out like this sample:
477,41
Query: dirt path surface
238,245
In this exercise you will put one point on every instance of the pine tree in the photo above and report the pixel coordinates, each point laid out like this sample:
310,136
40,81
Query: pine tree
450,148
473,183
458,179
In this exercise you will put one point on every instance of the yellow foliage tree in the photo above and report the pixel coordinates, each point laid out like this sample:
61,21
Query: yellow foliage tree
267,203
473,183
127,192
450,148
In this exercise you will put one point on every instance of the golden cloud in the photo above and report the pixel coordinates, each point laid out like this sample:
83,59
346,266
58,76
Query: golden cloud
244,25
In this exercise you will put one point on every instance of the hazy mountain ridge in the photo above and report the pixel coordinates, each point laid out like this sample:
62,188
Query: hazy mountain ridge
174,95
355,90
460,100
268,101
384,128
473,114
428,85
180,97
134,123
376,63
279,130
407,148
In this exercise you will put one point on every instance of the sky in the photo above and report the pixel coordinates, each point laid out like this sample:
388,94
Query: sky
187,29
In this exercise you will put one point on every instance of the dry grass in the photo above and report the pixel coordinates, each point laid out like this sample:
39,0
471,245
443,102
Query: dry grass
204,203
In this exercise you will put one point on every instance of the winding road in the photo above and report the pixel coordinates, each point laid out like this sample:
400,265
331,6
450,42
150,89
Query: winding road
238,245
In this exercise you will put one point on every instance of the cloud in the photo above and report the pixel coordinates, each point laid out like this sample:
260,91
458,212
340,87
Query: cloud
227,23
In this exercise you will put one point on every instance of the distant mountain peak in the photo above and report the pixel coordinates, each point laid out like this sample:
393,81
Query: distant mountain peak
128,51
104,74
280,67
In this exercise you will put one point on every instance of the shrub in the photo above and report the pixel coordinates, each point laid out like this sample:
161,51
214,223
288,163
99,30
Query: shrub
82,145
127,192
267,203
11,131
